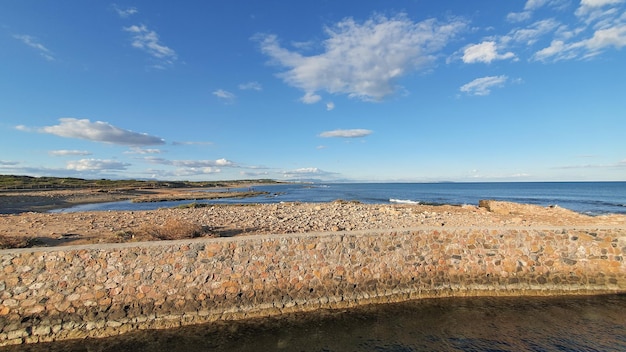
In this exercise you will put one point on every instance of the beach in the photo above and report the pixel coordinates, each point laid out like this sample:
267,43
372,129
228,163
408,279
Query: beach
29,225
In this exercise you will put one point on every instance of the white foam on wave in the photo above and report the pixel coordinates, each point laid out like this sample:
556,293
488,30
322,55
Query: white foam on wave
403,201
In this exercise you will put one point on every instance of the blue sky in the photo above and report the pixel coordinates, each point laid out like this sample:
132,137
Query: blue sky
327,90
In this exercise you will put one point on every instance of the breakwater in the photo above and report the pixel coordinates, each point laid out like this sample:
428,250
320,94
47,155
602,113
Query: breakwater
49,294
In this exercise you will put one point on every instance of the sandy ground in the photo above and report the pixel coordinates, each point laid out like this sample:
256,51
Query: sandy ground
24,223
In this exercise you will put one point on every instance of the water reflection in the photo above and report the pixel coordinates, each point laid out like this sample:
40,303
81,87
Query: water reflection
596,323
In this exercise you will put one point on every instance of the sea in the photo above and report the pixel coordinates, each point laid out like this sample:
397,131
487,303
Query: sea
592,198
581,323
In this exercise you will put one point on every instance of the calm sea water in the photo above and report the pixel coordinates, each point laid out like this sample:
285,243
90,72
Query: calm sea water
585,197
459,324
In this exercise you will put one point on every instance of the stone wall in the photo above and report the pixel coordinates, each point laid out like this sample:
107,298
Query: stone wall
58,293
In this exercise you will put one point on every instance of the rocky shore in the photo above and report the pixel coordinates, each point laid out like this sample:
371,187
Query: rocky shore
32,228
284,258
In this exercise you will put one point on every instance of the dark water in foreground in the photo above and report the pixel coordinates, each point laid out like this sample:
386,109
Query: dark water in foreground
590,323
592,198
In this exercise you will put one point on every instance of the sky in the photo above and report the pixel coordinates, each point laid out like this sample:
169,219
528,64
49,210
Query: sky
333,91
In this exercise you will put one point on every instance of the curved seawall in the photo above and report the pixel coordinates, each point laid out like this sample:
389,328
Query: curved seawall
49,294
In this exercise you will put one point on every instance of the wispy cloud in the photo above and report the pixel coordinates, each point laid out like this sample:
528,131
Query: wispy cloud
330,106
532,33
601,40
309,173
619,164
224,95
97,132
363,60
254,174
191,143
191,167
126,12
143,151
65,152
34,43
353,133
483,86
251,86
191,163
603,27
148,41
8,163
519,16
96,165
588,6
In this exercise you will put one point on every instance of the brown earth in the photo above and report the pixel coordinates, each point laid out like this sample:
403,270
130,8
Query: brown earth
28,226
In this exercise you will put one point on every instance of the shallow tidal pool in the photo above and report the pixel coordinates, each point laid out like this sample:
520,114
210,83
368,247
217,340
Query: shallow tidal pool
588,323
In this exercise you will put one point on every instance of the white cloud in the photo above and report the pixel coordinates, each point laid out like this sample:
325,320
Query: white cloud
484,52
363,60
330,106
251,86
98,132
483,86
615,36
148,41
125,13
33,43
64,152
354,133
96,165
310,98
225,95
534,4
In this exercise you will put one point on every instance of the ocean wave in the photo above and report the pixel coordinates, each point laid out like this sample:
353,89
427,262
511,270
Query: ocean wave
403,201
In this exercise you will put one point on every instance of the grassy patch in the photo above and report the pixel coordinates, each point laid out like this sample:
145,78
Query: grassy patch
7,242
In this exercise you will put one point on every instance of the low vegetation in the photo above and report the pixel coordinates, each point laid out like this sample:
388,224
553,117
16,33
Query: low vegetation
172,230
13,182
7,242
